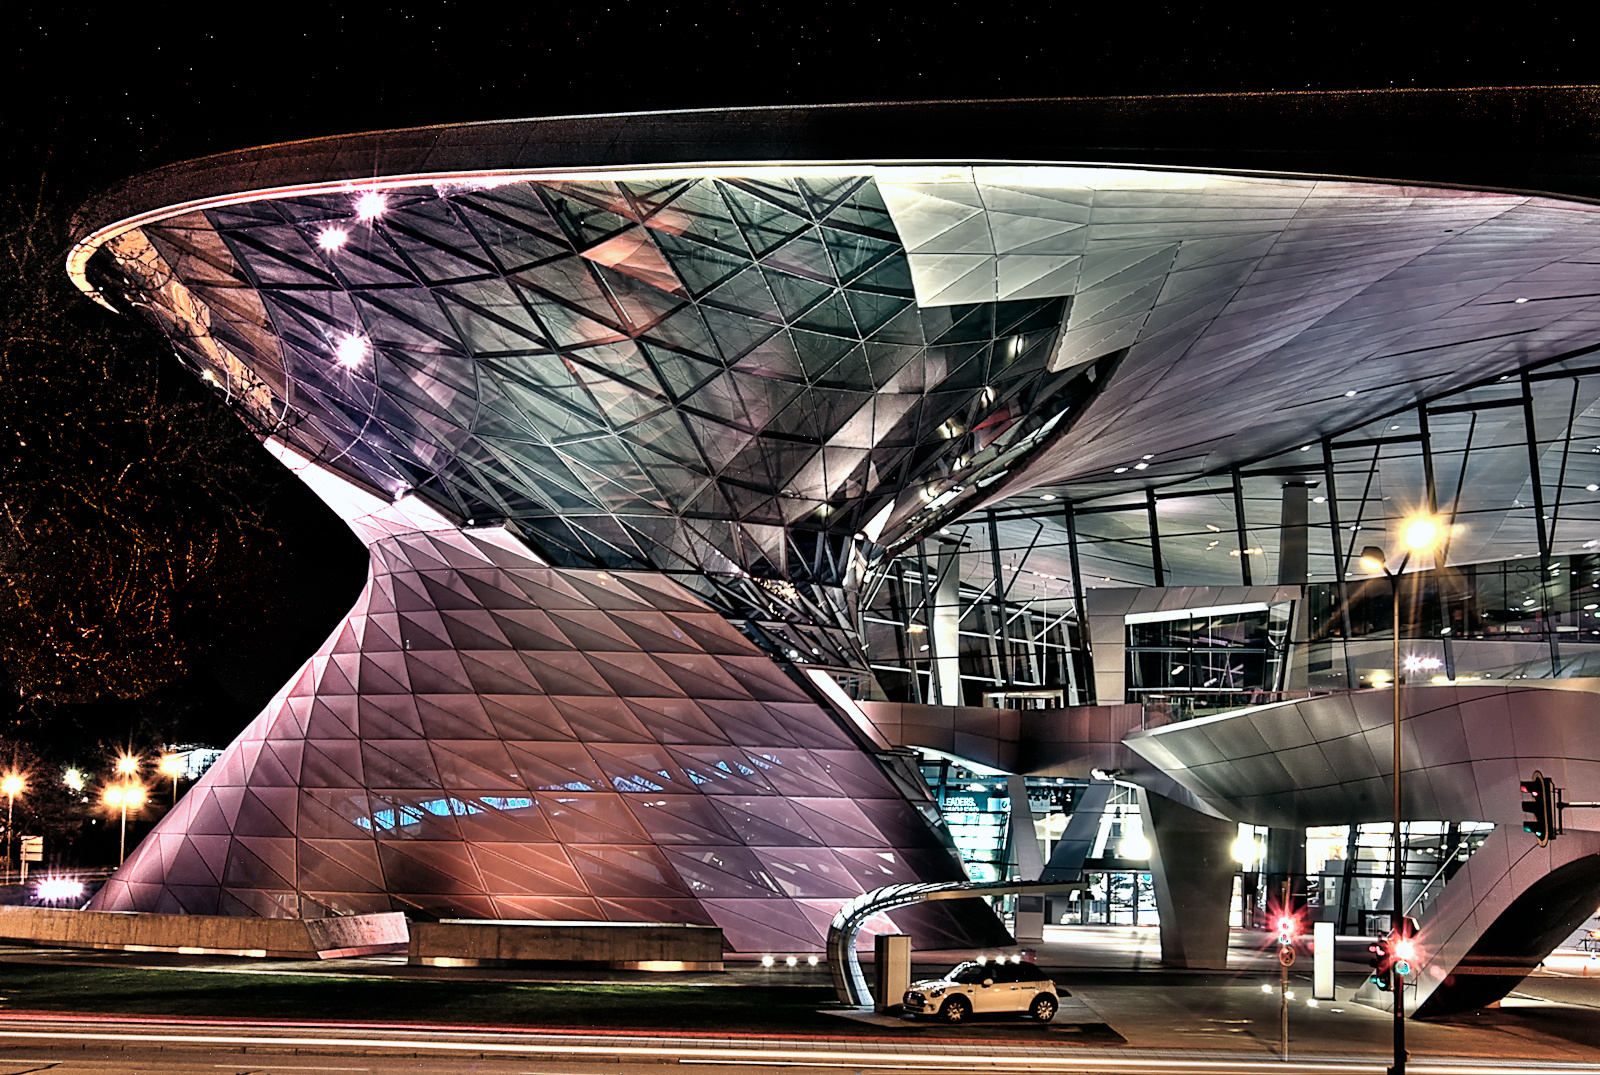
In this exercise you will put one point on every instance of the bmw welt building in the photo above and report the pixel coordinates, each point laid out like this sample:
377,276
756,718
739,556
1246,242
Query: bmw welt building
769,506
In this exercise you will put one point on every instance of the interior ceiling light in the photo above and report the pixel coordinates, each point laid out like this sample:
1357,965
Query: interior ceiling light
1319,500
1120,470
1305,448
1214,528
371,204
1350,393
1048,496
1592,488
1141,466
1519,301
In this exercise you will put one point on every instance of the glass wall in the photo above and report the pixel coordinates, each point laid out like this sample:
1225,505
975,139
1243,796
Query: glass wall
1510,469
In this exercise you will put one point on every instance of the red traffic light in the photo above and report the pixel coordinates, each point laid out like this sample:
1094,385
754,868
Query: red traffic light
1288,928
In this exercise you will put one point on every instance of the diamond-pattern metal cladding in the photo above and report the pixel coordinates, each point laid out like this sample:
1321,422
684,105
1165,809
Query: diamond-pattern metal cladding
488,737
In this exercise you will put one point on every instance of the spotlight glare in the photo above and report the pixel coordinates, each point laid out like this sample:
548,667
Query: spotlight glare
56,889
351,350
1421,533
371,204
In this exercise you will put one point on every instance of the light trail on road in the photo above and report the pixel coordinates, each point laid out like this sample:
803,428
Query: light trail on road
386,1042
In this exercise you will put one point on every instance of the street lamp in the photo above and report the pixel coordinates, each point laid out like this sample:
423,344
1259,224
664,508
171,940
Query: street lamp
172,765
13,785
123,796
127,765
1420,533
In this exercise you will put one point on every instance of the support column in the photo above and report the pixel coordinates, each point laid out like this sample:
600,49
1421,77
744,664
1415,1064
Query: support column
1286,861
1191,863
1292,535
1030,862
946,621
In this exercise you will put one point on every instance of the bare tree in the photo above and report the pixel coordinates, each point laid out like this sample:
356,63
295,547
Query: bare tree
130,505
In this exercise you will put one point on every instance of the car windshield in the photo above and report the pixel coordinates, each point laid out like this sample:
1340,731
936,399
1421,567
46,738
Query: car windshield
969,974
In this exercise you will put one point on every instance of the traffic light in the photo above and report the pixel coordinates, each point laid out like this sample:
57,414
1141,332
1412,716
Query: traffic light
1544,820
1380,961
1288,929
1403,947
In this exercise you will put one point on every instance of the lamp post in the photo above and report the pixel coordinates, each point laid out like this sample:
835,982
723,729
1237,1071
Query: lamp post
13,785
122,796
1419,534
171,764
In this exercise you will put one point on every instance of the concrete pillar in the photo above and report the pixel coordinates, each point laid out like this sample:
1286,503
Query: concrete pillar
946,620
1191,863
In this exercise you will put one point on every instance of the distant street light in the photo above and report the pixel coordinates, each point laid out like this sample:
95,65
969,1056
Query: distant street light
13,785
1420,534
172,765
123,796
127,765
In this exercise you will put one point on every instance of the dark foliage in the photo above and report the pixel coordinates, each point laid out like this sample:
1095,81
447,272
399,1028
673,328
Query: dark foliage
141,526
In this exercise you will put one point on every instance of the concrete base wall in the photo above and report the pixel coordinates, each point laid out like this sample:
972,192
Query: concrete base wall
616,945
282,938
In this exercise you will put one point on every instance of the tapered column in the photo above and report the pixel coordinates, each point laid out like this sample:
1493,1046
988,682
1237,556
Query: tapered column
1191,863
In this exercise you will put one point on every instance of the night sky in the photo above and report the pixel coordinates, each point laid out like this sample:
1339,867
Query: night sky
93,94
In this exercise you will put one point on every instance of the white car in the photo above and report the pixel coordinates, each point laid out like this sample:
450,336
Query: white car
982,989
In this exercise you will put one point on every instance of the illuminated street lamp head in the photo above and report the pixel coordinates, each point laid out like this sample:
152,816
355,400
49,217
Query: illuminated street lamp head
1373,559
127,796
1420,534
73,778
13,784
171,764
127,764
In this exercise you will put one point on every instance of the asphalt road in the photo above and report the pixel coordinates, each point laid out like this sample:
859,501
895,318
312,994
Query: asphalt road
1122,1015
102,1046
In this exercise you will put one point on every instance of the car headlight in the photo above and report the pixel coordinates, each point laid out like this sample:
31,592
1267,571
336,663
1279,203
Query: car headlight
935,993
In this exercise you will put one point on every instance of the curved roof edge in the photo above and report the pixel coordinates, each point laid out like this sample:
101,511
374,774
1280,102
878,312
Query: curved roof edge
1449,137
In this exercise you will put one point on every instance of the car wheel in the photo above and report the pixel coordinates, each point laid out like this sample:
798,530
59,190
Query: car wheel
1043,1008
955,1010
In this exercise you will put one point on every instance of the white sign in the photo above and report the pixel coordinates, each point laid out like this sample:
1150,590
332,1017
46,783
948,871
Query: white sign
1322,960
33,849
